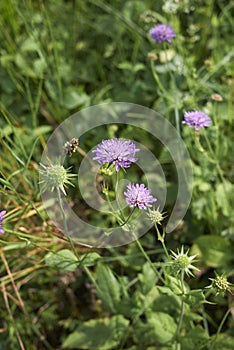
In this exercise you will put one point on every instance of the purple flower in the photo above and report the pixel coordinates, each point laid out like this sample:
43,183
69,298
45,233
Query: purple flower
139,195
162,32
119,152
197,119
2,213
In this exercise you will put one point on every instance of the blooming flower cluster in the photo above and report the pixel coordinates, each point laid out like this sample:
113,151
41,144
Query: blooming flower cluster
119,152
162,32
2,214
139,196
197,119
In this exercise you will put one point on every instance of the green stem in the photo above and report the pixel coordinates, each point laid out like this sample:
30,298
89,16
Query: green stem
221,326
128,218
156,78
71,241
148,259
176,110
220,172
181,310
161,239
205,323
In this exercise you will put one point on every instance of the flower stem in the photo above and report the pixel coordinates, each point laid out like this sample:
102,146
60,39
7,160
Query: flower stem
148,259
221,326
71,241
181,310
161,239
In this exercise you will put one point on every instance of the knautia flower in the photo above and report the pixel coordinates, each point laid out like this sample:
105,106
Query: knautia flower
55,177
139,196
2,214
183,262
162,32
119,152
197,119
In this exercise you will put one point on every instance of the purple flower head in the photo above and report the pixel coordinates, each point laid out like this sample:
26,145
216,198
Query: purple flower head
119,152
2,213
139,195
197,119
162,32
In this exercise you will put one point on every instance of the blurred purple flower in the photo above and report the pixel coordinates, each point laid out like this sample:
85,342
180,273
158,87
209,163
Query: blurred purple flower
119,152
139,195
2,213
197,119
162,32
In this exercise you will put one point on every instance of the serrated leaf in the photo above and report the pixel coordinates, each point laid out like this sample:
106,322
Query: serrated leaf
108,288
63,260
98,334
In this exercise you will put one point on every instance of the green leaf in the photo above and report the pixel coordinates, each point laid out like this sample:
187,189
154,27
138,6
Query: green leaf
147,278
29,45
98,334
64,260
108,288
197,338
224,197
89,259
73,98
214,250
223,341
160,327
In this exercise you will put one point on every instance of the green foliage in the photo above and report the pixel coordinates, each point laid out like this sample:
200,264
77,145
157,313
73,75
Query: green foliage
65,260
215,251
58,57
159,327
108,288
98,334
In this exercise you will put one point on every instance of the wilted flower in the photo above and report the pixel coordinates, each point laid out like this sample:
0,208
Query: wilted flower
197,119
162,32
183,262
71,147
139,196
152,56
217,97
119,152
55,177
2,214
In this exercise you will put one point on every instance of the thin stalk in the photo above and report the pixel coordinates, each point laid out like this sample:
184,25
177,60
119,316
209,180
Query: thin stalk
181,310
221,325
161,239
148,259
176,110
71,241
156,78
